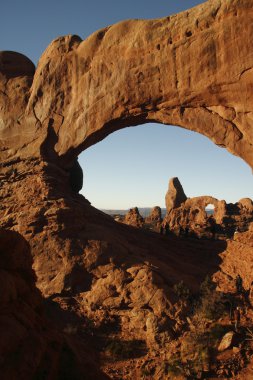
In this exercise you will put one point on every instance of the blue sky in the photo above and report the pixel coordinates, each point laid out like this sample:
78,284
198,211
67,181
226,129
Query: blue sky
132,166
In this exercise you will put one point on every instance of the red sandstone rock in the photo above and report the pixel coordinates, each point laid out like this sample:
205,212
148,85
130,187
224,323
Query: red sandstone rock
226,341
191,215
236,259
175,194
155,215
134,218
193,70
200,67
31,346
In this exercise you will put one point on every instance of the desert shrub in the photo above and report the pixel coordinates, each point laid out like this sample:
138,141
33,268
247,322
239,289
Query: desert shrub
148,369
182,291
211,304
115,348
207,287
173,367
124,349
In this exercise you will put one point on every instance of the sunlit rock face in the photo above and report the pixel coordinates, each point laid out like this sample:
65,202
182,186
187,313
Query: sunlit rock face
189,216
134,218
193,70
155,215
175,195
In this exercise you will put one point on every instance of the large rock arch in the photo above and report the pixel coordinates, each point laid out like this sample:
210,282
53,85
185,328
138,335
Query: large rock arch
193,70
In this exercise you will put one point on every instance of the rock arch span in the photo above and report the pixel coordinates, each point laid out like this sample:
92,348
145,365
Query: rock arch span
193,69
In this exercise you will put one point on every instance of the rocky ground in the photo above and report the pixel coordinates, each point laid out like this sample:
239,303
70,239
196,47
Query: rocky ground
61,325
32,345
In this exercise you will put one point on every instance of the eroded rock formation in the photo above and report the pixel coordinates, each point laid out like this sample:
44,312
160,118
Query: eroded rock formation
199,62
155,215
134,218
237,259
32,347
190,215
175,194
193,70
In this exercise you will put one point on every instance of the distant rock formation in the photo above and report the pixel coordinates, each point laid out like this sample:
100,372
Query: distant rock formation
175,194
190,214
134,218
155,215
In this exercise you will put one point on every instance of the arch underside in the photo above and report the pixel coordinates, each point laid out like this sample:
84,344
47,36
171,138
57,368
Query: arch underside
193,70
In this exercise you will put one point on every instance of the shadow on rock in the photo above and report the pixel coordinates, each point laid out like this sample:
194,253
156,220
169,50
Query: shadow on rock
30,346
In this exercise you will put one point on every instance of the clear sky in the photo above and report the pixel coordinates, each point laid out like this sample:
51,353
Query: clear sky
131,167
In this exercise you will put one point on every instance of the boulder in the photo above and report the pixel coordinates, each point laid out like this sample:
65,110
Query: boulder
226,341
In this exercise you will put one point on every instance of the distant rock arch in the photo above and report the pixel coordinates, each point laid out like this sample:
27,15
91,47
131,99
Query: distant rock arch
210,207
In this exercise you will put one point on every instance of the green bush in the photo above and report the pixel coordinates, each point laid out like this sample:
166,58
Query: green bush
182,291
207,287
124,349
173,367
211,303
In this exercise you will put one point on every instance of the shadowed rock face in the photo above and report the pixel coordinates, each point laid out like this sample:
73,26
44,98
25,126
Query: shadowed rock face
32,347
13,65
193,70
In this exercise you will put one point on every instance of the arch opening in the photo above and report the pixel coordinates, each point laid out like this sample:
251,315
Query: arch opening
134,163
209,209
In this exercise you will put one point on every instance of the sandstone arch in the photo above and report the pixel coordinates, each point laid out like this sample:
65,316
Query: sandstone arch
192,70
210,207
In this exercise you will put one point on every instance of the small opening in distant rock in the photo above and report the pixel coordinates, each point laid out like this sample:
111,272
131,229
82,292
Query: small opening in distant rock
158,47
209,209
